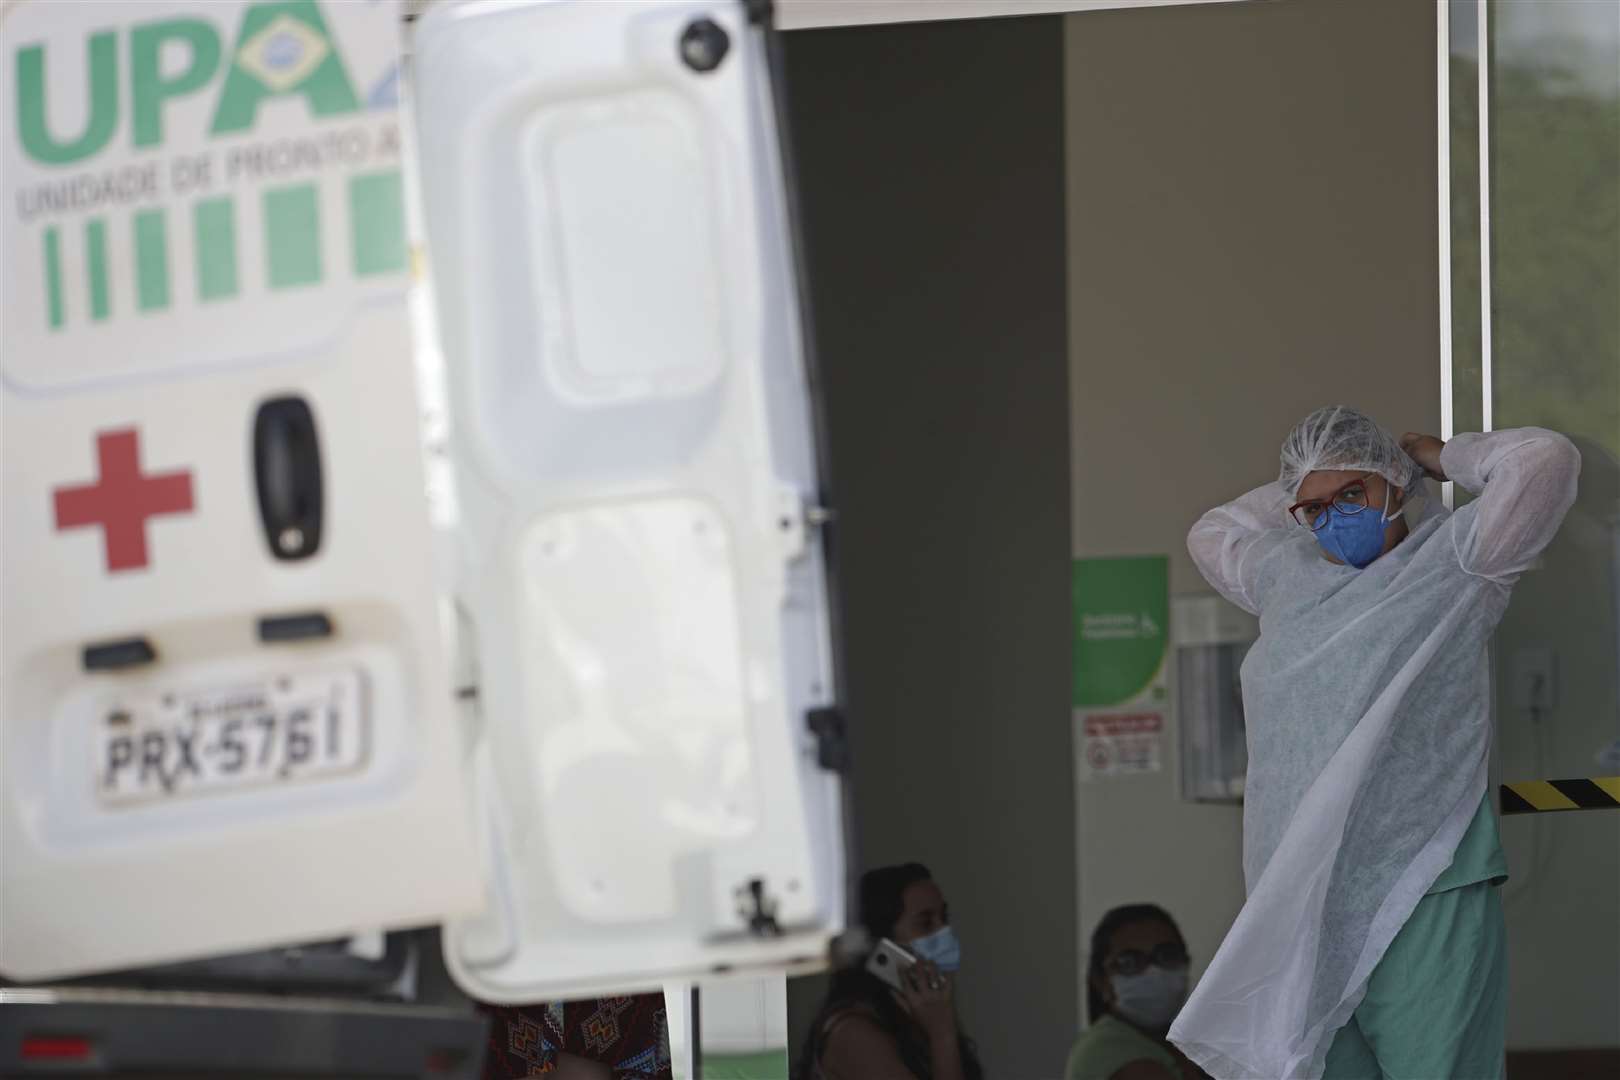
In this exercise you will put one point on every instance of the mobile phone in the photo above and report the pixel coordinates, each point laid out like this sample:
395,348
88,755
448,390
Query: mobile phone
890,963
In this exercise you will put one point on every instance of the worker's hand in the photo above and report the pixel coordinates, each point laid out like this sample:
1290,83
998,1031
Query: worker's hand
929,998
1425,450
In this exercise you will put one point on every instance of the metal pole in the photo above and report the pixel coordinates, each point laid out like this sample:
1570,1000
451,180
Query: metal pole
696,1026
1485,389
1442,68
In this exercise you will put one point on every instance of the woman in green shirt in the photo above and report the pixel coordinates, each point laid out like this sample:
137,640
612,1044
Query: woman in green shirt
1135,985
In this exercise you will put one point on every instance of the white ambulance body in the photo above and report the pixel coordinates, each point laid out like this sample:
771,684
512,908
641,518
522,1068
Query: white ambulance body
229,719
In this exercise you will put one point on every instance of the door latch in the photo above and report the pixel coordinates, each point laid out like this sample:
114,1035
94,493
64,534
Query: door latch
287,468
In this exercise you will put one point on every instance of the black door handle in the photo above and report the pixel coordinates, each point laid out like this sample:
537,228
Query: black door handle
118,655
287,467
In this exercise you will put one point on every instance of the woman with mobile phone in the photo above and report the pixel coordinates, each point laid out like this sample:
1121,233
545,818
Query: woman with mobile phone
902,1026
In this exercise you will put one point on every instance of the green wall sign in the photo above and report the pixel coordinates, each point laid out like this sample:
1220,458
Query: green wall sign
1121,629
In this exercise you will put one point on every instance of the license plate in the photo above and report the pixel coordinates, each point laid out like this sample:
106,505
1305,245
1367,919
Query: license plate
253,734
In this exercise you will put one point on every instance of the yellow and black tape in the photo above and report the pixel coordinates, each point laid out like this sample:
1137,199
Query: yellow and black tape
1541,796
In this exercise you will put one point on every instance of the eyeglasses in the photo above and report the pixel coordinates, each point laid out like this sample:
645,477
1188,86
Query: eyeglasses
1349,499
1172,955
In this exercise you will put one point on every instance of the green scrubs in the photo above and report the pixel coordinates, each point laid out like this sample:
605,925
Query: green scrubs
1436,1005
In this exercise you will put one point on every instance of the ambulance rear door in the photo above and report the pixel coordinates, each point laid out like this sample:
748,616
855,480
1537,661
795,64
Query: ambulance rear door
641,567
226,720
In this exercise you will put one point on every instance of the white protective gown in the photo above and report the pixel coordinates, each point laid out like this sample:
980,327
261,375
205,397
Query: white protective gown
1367,702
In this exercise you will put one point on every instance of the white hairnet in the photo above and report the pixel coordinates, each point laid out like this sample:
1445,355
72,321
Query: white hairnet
1340,438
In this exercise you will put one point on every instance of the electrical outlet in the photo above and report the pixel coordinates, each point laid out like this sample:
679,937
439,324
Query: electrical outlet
1535,678
1608,758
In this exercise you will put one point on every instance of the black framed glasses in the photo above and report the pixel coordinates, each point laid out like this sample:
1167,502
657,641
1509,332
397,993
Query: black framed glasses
1351,498
1172,956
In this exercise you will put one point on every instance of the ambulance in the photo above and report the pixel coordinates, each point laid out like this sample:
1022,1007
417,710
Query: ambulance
412,515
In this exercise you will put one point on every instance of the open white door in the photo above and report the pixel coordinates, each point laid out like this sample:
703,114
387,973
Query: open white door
641,570
225,720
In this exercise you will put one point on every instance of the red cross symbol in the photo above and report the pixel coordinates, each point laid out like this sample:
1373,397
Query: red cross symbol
122,499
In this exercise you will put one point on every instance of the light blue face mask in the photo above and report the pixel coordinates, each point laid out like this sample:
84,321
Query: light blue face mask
1150,999
939,948
1355,539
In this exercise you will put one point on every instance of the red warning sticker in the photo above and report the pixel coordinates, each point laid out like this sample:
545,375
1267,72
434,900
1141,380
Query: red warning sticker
1118,743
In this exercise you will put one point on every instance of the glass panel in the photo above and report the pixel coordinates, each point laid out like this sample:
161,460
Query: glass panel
1554,115
1555,235
1555,124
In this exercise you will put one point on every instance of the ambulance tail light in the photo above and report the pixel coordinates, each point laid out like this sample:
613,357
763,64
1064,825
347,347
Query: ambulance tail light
63,1048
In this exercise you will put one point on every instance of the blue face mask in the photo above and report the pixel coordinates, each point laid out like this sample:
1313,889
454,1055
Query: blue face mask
939,948
1354,539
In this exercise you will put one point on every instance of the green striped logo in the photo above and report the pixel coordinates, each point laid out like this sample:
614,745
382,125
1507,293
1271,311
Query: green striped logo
292,226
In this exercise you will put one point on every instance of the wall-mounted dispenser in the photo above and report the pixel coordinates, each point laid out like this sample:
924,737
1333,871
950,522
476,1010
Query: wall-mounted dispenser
1212,637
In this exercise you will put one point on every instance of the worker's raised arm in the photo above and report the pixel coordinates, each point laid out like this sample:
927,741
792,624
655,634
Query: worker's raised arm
1229,542
1526,482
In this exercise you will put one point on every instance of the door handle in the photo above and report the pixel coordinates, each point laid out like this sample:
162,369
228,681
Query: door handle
287,468
118,655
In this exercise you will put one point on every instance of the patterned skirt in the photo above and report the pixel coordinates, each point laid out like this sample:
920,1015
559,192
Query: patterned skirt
630,1035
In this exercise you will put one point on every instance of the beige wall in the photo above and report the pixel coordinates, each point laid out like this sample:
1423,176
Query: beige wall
1251,203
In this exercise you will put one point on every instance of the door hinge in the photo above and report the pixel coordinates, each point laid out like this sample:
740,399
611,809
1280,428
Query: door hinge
756,907
832,738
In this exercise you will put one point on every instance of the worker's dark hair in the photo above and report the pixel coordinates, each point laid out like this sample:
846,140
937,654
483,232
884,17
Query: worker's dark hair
1103,936
883,896
883,901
